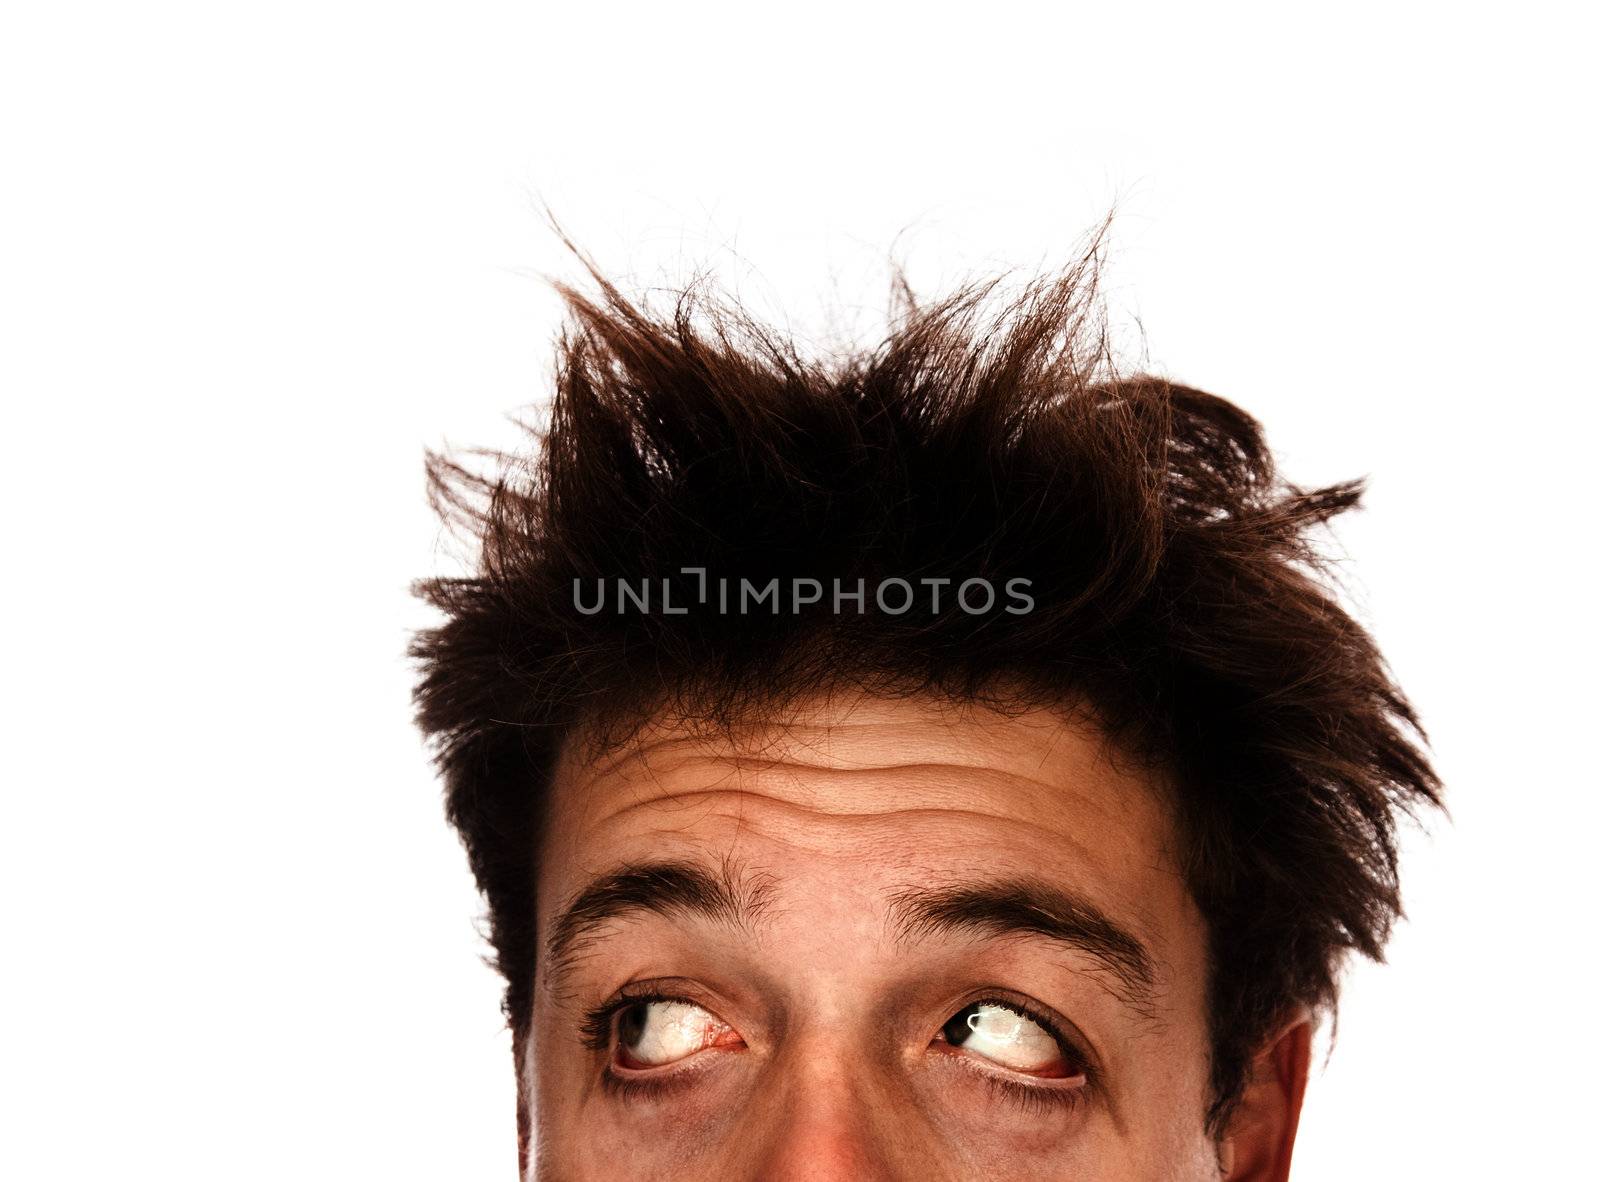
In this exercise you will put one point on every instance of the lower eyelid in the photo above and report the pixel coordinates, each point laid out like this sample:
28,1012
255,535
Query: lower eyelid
1037,1097
1048,1089
636,1089
1079,1075
1070,1055
649,1082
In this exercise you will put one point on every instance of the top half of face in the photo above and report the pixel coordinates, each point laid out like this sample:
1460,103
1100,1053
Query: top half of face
910,938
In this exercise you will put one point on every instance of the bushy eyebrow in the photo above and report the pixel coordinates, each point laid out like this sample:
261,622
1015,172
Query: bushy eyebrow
730,896
726,895
1025,907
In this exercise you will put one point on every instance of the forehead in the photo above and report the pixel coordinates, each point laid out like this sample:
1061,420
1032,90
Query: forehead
854,795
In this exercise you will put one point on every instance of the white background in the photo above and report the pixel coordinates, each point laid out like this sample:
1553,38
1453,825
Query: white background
256,257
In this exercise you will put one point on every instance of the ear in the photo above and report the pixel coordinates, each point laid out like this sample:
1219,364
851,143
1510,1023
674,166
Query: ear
1260,1135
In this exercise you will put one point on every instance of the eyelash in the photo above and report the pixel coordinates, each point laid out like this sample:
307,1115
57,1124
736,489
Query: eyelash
598,1027
598,1024
1032,1096
640,1090
1036,1098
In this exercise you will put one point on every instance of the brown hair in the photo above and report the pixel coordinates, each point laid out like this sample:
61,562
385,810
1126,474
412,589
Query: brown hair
1174,582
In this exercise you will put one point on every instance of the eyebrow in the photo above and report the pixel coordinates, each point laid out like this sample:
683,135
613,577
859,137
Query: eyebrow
1028,908
726,895
730,896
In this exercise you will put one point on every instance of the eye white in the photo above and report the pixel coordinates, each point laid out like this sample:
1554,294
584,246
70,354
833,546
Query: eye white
653,1033
1004,1036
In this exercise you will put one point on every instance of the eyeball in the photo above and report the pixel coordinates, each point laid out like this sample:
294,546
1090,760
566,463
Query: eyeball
656,1033
1008,1037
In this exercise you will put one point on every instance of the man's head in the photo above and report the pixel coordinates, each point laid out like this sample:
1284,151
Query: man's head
938,762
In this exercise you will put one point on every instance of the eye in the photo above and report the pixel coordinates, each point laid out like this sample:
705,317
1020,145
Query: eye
1005,1035
655,1032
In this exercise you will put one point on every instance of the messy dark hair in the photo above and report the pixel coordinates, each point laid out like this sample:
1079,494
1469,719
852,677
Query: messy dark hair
1175,582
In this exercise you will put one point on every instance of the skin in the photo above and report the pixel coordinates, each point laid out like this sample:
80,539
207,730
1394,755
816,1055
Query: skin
814,1018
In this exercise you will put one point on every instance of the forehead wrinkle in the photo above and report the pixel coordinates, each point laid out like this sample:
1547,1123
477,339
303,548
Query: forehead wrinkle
797,759
822,726
845,791
975,751
861,815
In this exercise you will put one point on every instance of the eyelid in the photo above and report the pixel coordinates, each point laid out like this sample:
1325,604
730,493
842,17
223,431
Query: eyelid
1032,1093
1074,1045
599,1024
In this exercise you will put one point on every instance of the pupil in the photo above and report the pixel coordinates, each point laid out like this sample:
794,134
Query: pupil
630,1026
960,1027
